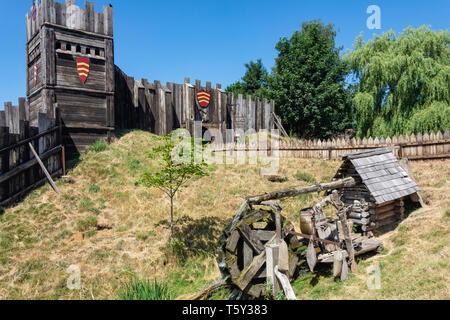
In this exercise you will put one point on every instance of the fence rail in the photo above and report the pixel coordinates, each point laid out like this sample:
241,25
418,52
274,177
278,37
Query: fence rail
434,145
19,169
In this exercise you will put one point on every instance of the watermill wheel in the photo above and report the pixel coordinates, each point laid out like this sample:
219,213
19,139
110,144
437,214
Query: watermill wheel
243,258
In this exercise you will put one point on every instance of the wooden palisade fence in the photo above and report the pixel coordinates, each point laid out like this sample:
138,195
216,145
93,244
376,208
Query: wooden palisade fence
434,145
19,169
161,109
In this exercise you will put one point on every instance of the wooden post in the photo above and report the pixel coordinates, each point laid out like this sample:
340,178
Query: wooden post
272,252
342,214
63,159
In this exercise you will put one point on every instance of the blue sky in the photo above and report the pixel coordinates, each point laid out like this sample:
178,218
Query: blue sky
211,40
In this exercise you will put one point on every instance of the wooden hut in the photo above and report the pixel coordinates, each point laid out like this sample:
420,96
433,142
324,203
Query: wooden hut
383,187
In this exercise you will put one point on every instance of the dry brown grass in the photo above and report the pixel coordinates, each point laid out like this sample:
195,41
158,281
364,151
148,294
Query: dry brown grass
43,235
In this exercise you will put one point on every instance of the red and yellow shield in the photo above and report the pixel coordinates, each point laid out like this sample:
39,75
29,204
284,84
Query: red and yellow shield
83,65
203,98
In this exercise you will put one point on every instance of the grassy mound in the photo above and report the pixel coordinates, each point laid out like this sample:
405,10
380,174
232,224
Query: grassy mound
116,232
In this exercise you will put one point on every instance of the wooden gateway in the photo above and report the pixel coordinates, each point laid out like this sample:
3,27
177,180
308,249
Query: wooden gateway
383,187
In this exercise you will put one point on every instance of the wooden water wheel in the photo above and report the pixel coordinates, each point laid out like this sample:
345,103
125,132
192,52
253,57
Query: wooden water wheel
243,250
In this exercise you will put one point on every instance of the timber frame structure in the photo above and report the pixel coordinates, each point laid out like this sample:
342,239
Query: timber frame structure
260,246
104,99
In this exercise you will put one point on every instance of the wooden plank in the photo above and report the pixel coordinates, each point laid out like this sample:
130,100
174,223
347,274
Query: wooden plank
250,238
233,241
71,37
247,253
287,288
248,274
28,189
108,20
24,166
52,183
293,265
109,55
89,16
263,235
272,253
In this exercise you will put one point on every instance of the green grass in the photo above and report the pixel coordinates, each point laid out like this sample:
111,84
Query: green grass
192,276
86,223
98,146
304,176
94,188
145,290
145,235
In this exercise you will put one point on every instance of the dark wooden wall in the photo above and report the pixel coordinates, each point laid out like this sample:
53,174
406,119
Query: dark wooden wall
19,170
59,34
162,108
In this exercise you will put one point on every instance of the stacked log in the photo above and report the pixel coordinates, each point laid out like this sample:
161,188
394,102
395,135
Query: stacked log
386,214
361,213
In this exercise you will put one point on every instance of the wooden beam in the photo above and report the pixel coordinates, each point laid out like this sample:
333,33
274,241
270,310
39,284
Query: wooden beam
49,177
248,274
287,288
24,166
348,182
28,189
250,238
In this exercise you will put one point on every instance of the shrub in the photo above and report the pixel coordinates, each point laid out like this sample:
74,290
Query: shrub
98,146
145,290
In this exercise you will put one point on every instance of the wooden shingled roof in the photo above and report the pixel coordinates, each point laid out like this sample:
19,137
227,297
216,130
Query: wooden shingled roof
382,174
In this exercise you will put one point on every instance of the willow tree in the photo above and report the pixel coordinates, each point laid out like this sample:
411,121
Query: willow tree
403,82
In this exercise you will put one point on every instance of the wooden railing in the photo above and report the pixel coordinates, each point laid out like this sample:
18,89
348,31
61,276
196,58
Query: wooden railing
20,172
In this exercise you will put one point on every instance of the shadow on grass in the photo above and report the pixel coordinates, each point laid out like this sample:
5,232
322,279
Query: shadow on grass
201,234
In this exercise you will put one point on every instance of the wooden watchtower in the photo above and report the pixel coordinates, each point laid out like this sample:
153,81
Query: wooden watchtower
70,69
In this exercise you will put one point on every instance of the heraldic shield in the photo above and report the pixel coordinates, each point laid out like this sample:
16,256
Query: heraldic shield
203,98
83,65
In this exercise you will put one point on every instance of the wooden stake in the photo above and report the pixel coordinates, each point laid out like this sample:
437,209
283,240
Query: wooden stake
49,178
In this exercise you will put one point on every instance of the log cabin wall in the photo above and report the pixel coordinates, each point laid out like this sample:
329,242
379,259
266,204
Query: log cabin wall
383,187
58,34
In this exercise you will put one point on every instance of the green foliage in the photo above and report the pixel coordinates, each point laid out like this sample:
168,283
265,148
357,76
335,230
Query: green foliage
402,82
177,165
94,188
269,291
254,81
98,146
280,295
308,83
178,249
87,223
145,290
304,176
